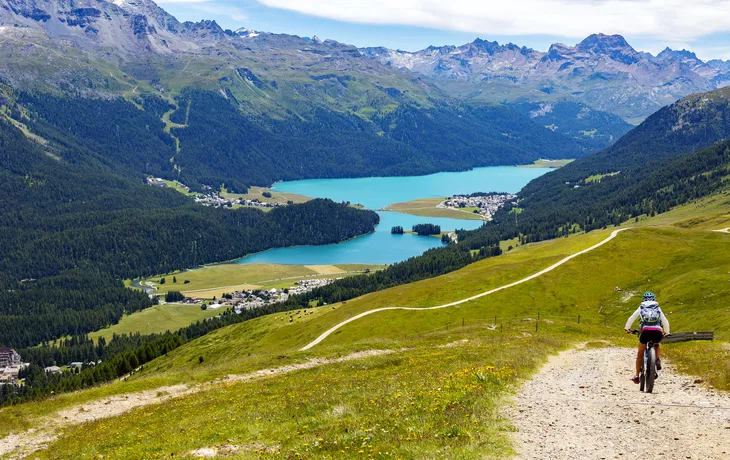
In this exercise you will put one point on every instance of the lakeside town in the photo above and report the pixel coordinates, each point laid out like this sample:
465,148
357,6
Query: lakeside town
484,204
255,298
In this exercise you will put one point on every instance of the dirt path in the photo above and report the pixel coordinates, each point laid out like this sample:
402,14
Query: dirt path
723,230
583,405
459,302
18,445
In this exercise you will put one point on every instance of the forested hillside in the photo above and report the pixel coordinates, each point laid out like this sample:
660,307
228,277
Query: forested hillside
219,144
650,170
592,129
70,232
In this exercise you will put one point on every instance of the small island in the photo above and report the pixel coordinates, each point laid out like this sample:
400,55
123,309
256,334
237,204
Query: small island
426,229
397,230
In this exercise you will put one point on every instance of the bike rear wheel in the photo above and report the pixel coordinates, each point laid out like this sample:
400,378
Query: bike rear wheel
650,371
642,380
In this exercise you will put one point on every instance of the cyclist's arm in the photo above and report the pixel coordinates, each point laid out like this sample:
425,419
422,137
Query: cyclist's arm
665,322
632,318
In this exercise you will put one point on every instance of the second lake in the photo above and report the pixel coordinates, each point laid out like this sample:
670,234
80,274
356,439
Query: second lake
381,247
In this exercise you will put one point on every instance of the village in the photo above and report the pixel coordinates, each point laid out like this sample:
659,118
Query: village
250,299
480,203
213,198
10,366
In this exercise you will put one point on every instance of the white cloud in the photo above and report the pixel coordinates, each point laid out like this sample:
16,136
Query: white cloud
219,9
211,7
671,20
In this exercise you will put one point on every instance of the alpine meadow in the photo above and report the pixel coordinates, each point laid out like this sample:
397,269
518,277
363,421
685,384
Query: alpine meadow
233,243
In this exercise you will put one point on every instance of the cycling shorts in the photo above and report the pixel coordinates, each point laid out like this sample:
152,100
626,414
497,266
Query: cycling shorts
650,335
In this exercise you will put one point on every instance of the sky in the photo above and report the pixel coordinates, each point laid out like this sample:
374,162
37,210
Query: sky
702,26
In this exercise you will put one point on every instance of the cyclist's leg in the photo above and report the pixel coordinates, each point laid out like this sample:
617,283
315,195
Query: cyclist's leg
640,358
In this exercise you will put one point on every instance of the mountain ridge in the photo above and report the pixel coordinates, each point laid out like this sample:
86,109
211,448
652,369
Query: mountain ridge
602,71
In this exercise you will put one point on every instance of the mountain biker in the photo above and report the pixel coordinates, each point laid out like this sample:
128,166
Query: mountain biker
653,327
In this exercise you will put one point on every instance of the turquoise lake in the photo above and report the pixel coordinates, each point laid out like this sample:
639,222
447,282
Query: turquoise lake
380,247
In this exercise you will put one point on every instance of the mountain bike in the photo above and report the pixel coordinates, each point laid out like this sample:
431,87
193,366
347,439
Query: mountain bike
648,367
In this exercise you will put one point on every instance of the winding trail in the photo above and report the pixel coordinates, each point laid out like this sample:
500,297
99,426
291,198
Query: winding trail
19,445
469,299
723,230
582,405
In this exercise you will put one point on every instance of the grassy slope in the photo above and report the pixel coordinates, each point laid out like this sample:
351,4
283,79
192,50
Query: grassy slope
427,207
256,193
231,275
157,319
215,280
546,164
685,263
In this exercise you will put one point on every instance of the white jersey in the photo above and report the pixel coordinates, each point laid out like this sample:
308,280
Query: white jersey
653,305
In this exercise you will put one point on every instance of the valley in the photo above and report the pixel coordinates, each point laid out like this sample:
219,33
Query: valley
460,349
221,242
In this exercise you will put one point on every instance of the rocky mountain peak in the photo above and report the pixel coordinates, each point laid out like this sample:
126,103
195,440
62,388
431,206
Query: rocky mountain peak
602,43
719,64
614,47
683,55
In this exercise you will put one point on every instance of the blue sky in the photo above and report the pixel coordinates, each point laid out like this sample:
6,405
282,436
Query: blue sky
648,25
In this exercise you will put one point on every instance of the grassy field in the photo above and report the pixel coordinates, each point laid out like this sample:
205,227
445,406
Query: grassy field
395,406
427,207
598,177
436,396
546,164
157,319
214,281
230,276
276,197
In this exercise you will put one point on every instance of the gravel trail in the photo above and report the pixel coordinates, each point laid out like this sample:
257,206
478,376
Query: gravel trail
583,405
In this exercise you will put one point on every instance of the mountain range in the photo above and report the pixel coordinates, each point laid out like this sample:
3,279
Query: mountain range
250,108
603,71
293,104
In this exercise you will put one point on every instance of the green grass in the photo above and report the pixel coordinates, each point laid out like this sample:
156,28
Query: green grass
401,406
547,164
710,361
157,319
177,186
597,177
679,259
427,207
213,281
221,275
256,193
228,277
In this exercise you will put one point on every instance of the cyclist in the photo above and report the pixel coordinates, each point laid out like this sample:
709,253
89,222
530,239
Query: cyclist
653,327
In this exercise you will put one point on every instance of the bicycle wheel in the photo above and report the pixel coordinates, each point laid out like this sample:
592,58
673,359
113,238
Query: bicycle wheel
642,380
650,372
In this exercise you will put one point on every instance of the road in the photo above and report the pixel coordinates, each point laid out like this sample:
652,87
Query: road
583,405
